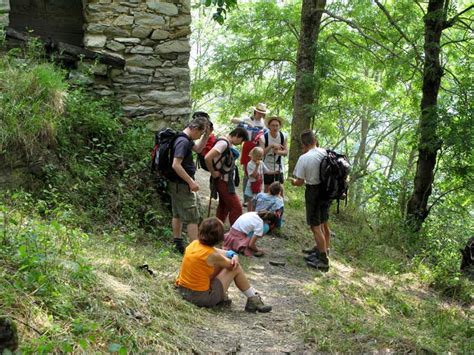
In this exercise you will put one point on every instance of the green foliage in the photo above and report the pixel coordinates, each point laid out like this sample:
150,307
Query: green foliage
78,292
31,104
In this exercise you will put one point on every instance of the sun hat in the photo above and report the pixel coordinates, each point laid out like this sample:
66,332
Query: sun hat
273,118
261,107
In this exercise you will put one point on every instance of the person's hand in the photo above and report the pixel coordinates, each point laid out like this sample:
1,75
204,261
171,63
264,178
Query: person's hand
293,180
194,186
215,174
234,262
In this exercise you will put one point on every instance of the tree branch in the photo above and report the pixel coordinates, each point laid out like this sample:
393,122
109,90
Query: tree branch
453,19
394,24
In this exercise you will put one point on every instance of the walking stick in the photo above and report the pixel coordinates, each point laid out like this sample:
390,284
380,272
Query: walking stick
209,207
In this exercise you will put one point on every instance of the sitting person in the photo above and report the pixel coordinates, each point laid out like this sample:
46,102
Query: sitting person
271,201
245,231
207,272
255,170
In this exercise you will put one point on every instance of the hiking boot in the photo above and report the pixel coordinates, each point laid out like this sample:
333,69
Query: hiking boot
179,245
255,304
319,262
309,250
314,255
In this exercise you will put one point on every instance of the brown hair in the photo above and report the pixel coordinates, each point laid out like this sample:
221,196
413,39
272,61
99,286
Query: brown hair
268,217
307,137
211,231
275,188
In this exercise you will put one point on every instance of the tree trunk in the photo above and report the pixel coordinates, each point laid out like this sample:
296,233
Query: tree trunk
360,163
429,142
311,12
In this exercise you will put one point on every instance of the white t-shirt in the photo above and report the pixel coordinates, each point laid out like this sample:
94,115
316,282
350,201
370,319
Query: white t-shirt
249,222
256,123
257,126
251,166
307,167
271,160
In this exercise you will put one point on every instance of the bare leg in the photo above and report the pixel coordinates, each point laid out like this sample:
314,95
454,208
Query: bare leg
319,238
327,234
249,206
192,231
238,276
265,188
177,227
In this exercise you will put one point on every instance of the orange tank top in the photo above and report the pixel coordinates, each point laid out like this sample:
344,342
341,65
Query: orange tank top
195,273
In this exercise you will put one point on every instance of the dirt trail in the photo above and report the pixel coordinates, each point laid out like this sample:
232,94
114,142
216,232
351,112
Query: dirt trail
234,330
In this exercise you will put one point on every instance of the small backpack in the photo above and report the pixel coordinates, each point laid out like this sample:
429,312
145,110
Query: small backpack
282,140
333,172
248,146
162,154
225,156
200,161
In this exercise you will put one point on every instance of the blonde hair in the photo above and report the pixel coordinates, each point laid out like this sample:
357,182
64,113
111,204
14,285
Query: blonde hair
256,152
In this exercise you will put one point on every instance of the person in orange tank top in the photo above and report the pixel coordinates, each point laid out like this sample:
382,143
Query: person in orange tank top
206,271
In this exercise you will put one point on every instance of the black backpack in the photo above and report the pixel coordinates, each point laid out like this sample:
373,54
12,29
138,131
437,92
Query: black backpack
162,154
467,260
333,172
225,157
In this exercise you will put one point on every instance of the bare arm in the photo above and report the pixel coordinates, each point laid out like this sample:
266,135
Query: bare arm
178,168
297,181
199,146
253,243
213,153
218,260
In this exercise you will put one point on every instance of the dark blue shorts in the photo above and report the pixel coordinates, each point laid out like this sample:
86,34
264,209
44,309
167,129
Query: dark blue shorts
317,210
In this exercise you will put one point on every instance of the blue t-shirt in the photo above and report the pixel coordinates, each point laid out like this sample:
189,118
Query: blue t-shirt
267,202
183,148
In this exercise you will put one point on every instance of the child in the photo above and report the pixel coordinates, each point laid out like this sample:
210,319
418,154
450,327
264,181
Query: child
271,201
207,272
245,231
255,171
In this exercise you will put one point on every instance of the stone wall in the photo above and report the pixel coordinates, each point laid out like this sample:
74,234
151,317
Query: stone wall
153,38
4,9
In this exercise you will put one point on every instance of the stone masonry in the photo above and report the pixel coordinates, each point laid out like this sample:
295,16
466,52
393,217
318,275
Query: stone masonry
153,38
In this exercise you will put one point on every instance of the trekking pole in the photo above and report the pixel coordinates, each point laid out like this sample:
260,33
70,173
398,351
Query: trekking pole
209,207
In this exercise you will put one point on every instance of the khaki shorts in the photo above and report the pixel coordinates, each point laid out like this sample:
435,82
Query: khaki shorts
208,298
185,203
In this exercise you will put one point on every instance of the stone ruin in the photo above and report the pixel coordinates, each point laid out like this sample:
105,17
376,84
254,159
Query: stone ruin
149,37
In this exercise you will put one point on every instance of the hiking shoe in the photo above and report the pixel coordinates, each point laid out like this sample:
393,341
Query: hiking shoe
309,250
179,245
255,304
314,255
318,265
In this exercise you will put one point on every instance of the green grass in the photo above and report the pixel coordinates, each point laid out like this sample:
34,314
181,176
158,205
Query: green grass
358,316
70,291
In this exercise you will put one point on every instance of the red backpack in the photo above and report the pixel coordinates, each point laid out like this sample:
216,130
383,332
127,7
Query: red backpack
247,147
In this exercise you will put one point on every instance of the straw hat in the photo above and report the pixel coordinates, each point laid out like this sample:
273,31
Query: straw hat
261,107
273,118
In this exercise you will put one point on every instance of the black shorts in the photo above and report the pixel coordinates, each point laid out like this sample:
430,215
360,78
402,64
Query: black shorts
317,210
269,178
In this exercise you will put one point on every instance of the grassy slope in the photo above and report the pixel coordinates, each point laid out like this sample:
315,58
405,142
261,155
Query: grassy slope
86,293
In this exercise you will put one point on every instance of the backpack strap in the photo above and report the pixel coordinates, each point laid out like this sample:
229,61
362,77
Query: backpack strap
266,139
223,154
